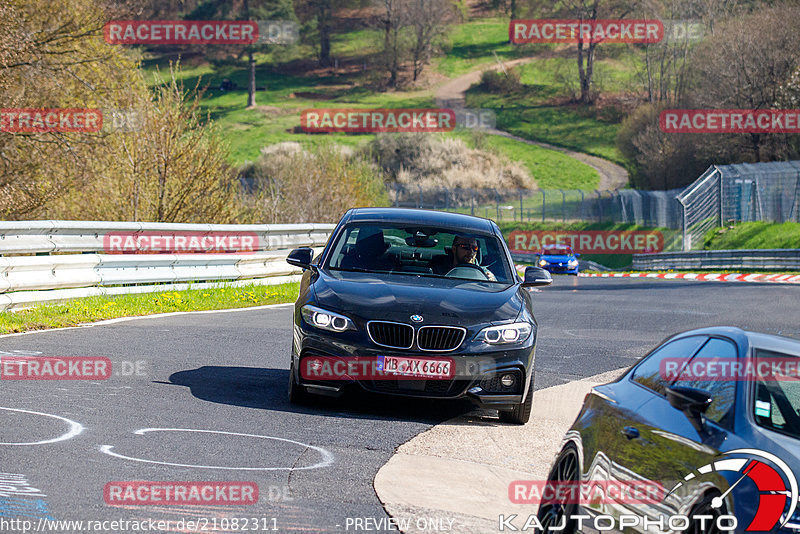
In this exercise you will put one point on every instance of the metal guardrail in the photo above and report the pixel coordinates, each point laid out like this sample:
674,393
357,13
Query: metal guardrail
779,259
70,262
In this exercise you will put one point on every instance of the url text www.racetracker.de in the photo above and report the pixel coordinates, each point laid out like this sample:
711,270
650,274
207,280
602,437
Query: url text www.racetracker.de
194,524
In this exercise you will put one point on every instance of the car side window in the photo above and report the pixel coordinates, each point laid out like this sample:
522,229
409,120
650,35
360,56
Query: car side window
722,391
648,373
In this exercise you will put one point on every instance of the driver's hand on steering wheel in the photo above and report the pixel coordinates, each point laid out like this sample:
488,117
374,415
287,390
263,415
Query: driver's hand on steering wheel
489,274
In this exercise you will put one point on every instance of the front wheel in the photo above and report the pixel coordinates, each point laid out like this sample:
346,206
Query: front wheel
554,514
711,506
521,413
297,393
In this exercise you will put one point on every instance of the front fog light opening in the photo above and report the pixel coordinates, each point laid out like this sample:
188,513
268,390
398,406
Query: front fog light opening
507,380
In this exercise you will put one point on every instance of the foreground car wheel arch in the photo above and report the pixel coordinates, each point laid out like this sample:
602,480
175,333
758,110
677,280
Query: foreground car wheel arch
704,508
522,411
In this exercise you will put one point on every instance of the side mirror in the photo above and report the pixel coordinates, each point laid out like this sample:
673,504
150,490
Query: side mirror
577,255
692,402
536,276
301,257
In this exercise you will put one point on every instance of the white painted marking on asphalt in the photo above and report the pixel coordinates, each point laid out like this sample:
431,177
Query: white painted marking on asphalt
74,427
327,456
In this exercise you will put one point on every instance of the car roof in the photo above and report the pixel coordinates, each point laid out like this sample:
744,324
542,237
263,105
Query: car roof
467,223
754,339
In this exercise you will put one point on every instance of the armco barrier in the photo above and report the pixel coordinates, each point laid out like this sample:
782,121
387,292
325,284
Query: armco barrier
778,259
70,261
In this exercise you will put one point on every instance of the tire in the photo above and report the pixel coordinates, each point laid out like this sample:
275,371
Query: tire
297,393
704,508
553,513
521,413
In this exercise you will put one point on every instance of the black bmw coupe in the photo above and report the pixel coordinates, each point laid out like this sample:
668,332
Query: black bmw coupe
416,303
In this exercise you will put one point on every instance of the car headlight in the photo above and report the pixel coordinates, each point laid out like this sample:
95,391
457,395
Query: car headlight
504,334
542,263
326,320
572,263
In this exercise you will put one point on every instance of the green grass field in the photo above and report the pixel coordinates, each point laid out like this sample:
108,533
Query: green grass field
754,235
276,117
572,127
92,309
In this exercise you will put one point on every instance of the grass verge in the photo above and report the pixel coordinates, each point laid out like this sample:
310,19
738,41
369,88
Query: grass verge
749,235
92,309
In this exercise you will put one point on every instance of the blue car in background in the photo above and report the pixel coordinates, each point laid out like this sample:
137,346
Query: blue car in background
558,259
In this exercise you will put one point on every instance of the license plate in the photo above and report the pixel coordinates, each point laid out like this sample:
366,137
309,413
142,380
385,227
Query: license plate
429,368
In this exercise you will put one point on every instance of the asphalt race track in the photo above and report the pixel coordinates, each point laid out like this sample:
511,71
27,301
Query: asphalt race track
227,373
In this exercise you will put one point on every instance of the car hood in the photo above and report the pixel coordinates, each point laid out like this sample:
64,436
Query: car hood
553,258
397,297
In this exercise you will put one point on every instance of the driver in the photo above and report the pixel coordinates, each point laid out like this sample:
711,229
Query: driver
465,250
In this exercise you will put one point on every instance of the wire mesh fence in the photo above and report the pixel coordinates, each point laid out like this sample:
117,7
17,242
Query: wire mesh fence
646,208
724,193
740,193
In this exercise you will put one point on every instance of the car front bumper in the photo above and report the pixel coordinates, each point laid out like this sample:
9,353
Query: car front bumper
476,372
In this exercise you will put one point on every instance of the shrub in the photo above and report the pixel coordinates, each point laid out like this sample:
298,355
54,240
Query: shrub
497,81
288,184
432,161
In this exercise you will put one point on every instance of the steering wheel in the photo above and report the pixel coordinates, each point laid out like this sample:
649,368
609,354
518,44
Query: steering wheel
468,270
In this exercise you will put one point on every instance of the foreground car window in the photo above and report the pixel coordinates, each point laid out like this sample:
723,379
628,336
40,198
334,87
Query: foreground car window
722,391
648,374
777,402
426,251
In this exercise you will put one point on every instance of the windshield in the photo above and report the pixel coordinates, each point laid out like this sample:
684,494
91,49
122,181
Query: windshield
411,250
777,402
557,251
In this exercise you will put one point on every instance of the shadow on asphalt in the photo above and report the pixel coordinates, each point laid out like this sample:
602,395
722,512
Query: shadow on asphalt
266,389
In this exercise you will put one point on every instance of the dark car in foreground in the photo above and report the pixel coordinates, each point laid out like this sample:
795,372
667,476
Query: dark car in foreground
558,259
416,303
710,415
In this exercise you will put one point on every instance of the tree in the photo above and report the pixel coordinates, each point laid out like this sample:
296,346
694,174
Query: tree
585,11
429,20
170,168
52,55
394,20
746,63
245,10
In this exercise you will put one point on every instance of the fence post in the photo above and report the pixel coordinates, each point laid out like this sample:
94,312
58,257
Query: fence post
472,202
396,194
521,212
563,206
446,199
497,203
583,198
599,205
544,209
419,199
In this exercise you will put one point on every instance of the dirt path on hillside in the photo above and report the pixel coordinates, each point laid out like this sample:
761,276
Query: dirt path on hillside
451,94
